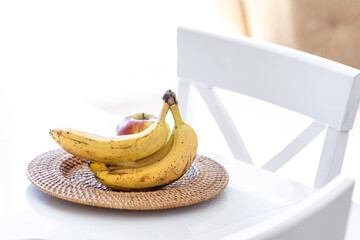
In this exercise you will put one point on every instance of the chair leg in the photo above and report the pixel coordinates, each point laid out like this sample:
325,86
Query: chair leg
332,156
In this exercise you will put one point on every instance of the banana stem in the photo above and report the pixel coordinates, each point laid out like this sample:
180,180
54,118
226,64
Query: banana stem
170,98
164,112
176,115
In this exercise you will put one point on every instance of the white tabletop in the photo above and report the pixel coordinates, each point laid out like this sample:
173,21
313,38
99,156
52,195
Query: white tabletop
28,213
35,52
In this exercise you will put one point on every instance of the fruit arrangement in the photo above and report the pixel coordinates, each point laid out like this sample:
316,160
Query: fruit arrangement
145,153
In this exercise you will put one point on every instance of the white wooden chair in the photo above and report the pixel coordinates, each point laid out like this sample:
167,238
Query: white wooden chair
322,215
326,91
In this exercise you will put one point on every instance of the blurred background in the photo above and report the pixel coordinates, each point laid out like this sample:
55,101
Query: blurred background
120,56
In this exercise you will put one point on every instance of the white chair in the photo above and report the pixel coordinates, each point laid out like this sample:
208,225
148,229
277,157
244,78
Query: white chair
322,215
326,91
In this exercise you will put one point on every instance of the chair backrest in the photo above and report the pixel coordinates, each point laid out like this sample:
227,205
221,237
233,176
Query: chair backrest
322,215
324,90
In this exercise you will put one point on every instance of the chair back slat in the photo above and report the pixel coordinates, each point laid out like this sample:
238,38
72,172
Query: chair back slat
225,123
294,147
332,156
273,73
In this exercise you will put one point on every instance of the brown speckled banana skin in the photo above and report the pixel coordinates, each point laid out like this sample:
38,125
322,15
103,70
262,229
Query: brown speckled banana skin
95,166
168,169
115,149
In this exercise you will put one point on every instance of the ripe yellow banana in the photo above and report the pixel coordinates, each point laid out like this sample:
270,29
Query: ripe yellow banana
162,172
114,149
100,166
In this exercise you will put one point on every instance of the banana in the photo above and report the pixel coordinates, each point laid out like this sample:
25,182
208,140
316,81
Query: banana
114,149
165,171
95,166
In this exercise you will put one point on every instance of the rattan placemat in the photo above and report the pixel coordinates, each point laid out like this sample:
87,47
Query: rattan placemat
65,176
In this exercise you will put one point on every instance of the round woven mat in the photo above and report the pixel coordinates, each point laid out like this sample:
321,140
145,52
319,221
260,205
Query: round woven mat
65,176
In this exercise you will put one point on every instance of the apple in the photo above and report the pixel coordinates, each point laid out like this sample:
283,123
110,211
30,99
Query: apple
135,123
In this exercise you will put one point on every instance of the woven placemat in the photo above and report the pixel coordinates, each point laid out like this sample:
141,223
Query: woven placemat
65,176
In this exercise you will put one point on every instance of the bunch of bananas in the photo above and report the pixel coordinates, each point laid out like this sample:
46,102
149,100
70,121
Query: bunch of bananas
144,160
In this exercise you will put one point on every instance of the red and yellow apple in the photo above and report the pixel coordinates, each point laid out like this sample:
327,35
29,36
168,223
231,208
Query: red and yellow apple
135,123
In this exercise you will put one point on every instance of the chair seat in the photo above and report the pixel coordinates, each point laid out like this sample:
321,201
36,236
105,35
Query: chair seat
276,192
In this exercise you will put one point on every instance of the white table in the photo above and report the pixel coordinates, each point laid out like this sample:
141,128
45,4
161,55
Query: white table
27,213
